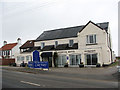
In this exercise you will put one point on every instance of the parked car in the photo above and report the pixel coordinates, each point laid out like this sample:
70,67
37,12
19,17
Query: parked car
12,64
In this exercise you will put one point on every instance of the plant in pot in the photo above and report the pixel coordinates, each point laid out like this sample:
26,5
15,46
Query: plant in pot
81,65
98,65
66,65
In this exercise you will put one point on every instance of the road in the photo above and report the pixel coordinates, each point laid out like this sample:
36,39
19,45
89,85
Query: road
13,79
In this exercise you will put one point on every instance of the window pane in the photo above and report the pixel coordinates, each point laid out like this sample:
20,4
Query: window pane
70,42
94,38
87,39
78,59
88,59
18,58
27,58
94,59
56,43
22,58
63,60
91,39
42,45
59,60
72,59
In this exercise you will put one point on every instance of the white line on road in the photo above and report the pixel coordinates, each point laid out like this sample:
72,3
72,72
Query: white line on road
30,83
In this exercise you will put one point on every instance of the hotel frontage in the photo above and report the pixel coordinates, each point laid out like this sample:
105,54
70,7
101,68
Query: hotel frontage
88,44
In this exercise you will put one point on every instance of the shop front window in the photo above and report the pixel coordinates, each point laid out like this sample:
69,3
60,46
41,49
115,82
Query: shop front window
75,59
91,59
28,58
62,60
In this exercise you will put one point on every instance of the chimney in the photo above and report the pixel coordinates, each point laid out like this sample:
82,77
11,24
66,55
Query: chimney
4,43
19,41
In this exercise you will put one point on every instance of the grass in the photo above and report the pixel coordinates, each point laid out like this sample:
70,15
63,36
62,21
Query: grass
115,64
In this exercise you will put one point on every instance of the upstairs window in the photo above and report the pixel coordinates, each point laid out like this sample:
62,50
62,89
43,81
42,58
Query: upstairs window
56,43
71,43
91,39
42,45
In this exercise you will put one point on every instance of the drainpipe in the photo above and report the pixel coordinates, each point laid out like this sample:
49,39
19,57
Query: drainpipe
108,46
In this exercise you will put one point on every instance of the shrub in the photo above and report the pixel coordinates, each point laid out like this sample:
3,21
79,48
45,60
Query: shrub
81,65
98,65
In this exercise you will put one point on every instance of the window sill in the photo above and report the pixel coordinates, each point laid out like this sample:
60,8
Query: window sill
91,44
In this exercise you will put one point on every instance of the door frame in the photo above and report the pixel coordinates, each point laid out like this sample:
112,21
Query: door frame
90,58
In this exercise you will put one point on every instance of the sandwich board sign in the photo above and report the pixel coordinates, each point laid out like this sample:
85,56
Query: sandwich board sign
36,63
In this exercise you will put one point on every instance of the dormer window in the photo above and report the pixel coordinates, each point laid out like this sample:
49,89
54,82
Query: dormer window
71,42
56,43
91,39
42,45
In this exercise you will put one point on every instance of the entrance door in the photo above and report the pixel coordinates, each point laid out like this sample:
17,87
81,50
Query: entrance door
91,59
49,59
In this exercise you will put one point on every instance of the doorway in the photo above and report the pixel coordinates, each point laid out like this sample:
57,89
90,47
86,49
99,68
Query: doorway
91,59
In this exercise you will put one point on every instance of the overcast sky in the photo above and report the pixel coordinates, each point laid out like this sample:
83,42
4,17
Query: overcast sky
27,19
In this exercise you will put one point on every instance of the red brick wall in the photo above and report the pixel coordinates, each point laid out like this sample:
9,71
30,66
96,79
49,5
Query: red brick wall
6,61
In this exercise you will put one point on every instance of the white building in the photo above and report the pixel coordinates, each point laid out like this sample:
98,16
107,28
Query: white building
8,51
88,44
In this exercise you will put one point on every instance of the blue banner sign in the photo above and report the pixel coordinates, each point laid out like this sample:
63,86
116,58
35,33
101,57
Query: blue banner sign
43,65
36,56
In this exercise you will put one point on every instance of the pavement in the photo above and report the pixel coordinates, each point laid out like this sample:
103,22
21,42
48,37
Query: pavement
19,77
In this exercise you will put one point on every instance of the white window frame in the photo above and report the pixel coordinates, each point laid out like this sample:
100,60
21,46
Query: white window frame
18,58
88,39
23,58
90,57
29,58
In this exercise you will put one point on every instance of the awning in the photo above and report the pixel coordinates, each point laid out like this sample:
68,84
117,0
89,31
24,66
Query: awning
46,54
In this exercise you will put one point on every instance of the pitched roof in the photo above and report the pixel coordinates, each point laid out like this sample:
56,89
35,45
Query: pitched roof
28,44
68,32
8,46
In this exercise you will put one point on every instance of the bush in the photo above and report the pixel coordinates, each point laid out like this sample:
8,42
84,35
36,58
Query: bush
98,65
66,65
81,65
22,65
12,64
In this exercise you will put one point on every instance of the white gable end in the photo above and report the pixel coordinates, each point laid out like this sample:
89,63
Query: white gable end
91,29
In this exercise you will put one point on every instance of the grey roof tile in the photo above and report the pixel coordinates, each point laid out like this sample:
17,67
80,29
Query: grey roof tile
66,32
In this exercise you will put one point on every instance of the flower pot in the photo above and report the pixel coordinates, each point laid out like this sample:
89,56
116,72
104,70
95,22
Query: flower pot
81,65
97,65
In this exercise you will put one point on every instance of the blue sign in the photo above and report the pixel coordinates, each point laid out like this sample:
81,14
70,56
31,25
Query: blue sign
35,64
36,56
67,57
31,64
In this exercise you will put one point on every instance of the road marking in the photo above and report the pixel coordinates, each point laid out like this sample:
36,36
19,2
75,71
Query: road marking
30,83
